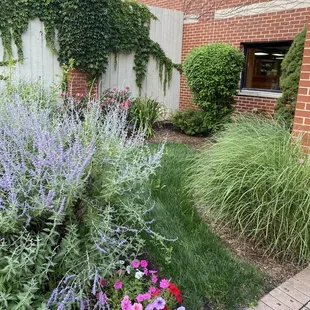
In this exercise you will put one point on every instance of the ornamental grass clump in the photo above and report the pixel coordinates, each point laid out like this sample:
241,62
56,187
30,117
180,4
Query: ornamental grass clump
257,179
74,201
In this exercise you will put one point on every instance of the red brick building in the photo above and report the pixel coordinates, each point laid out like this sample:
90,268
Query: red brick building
264,29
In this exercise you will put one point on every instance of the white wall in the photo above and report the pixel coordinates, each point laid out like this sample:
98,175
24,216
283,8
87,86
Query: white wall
168,32
39,61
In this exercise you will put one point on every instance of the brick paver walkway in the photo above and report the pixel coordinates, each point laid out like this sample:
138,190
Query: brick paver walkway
294,294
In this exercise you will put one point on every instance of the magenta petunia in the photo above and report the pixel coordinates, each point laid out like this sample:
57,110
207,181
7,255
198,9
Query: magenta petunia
154,279
118,284
164,283
152,289
135,263
140,298
152,271
146,271
144,263
137,307
126,303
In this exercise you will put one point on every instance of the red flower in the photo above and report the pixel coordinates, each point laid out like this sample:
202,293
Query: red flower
173,289
166,308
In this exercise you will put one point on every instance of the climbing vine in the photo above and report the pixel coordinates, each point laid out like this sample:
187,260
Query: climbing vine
87,31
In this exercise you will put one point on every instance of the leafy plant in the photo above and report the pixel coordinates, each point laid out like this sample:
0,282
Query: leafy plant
83,36
289,81
255,179
74,200
144,112
192,122
213,73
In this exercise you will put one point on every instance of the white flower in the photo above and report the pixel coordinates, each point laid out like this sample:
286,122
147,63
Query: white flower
128,269
139,275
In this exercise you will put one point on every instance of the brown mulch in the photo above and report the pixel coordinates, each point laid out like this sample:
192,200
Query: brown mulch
173,136
276,271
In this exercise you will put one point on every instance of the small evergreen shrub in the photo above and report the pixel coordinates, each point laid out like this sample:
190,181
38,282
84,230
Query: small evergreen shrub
289,81
213,73
255,179
193,122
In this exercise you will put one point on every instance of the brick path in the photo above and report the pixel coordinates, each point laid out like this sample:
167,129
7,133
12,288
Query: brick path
294,294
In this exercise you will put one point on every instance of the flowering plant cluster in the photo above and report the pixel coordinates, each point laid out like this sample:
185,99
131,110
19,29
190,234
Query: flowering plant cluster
136,286
72,201
107,100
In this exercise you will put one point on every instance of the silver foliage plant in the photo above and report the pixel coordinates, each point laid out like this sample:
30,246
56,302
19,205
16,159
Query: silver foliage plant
73,201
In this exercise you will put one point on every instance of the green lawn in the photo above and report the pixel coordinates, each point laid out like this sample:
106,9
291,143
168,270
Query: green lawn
201,264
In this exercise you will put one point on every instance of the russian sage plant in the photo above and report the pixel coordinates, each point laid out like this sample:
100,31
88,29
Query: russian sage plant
73,202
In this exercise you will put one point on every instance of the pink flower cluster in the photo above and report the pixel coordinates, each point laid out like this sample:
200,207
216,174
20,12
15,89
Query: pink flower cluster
151,299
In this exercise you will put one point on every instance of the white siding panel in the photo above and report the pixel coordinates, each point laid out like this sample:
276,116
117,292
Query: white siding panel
39,61
168,32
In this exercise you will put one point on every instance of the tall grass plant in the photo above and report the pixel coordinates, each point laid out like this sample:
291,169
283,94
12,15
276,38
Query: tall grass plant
257,178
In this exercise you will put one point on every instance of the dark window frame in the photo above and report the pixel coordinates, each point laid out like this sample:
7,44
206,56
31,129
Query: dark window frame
245,47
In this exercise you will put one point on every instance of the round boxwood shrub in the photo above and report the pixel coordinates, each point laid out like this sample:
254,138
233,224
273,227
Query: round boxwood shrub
192,122
289,81
213,73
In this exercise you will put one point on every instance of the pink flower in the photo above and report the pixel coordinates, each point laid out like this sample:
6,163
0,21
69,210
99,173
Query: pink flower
147,296
164,283
137,307
62,95
127,88
154,278
114,89
118,284
152,271
146,271
152,289
143,263
126,303
135,263
140,298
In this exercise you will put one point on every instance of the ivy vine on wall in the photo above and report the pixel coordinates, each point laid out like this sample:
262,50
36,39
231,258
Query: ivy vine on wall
87,31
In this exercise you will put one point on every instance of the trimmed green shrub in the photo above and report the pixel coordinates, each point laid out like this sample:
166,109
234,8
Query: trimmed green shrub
144,112
289,81
193,122
213,73
255,179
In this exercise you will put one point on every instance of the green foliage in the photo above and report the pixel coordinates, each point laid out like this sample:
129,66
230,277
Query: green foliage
73,200
200,263
255,179
88,31
192,122
144,112
213,73
289,81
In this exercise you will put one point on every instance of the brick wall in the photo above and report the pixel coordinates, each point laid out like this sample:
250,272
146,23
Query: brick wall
254,104
78,83
168,4
275,26
302,114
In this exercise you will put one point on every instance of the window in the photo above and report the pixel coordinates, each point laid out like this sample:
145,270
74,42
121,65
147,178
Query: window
263,65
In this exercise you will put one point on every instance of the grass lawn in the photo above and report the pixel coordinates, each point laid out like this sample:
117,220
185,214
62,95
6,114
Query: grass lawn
201,264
